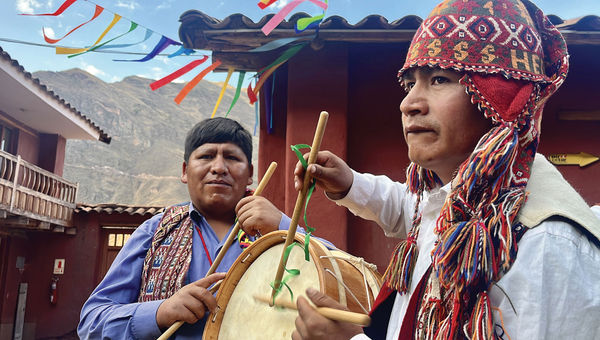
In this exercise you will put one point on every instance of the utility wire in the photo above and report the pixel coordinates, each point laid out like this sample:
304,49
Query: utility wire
95,51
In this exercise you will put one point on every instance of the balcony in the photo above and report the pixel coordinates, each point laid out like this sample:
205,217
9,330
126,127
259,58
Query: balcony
33,198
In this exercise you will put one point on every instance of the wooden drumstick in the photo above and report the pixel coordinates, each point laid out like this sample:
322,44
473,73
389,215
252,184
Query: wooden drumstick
300,200
236,228
330,313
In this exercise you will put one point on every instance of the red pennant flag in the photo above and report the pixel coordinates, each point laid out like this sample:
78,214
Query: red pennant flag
251,94
54,41
59,11
187,68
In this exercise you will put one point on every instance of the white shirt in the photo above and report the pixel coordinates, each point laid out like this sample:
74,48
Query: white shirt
553,285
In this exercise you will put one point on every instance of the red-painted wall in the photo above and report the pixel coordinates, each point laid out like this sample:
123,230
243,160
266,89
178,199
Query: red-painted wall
376,144
83,258
294,122
580,92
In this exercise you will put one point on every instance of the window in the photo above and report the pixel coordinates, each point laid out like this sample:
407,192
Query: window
113,239
117,240
7,139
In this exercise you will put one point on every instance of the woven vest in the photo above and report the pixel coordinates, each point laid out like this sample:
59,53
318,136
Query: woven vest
169,257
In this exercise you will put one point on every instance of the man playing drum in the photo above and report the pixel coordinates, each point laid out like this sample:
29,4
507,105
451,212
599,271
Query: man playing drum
158,276
495,243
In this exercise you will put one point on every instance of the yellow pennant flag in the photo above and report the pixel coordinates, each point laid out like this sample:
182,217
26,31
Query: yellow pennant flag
229,72
68,50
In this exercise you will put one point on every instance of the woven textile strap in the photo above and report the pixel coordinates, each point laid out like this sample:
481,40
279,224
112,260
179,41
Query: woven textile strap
169,257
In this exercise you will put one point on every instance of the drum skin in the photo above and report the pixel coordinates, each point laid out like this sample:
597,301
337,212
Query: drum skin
240,315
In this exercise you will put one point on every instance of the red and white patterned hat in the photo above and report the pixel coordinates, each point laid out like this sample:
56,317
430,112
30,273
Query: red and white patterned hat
513,59
509,37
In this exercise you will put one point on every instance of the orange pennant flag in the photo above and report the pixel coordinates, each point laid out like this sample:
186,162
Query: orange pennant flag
189,86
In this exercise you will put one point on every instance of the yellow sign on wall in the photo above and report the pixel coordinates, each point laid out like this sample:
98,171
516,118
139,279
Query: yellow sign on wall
582,159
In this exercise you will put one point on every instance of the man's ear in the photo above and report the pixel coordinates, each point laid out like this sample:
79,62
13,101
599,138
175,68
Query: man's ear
184,173
250,173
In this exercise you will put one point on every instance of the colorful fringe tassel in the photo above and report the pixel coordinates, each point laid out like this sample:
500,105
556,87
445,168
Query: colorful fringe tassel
399,271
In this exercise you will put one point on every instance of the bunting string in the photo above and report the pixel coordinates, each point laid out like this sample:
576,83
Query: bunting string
164,42
62,50
147,36
92,48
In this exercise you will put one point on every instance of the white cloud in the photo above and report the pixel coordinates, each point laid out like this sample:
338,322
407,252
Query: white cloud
164,5
27,6
154,73
280,4
49,32
91,69
132,5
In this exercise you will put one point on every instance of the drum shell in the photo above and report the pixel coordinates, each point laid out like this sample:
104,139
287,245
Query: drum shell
349,286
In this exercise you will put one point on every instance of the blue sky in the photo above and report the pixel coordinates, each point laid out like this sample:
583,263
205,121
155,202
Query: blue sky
162,16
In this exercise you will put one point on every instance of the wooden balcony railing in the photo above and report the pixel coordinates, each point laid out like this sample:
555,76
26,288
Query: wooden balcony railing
31,192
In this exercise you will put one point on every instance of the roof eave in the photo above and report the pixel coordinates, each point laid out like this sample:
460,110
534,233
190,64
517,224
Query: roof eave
28,101
231,39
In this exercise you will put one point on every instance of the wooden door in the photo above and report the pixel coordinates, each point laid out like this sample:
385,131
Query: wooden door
114,239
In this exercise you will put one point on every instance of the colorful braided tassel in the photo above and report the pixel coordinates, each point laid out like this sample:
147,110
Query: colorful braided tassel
399,272
480,325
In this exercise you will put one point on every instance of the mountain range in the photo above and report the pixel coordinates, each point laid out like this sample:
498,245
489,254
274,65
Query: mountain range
142,165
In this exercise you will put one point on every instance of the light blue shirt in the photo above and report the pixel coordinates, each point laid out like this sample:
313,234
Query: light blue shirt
112,310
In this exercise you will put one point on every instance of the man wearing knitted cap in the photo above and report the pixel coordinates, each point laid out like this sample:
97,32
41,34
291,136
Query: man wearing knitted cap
494,243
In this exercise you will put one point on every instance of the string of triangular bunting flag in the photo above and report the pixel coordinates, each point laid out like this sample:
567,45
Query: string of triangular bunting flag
165,42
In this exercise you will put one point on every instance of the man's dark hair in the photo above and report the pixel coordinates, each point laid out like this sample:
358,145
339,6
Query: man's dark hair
218,130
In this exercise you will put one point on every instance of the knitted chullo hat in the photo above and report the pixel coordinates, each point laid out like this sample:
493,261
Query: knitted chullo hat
513,59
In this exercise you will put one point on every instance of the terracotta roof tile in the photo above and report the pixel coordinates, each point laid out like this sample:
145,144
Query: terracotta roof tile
232,39
110,208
